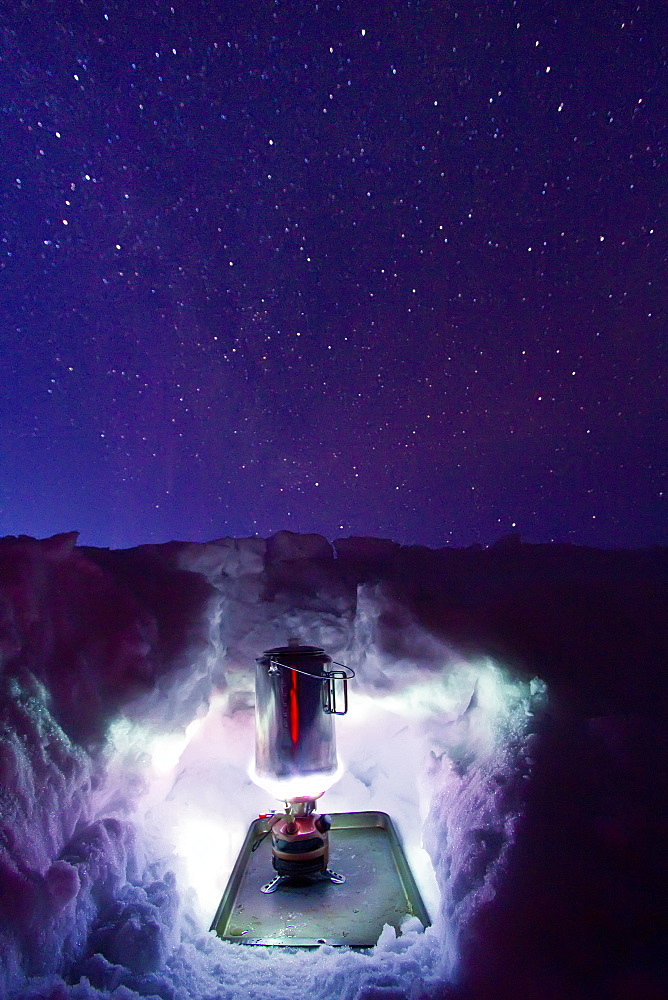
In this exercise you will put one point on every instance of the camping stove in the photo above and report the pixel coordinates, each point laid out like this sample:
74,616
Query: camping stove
298,691
300,845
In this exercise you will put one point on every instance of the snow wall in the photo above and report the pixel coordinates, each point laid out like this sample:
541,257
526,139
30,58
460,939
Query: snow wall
508,712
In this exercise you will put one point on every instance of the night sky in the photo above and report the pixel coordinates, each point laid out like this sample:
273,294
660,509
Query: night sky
388,268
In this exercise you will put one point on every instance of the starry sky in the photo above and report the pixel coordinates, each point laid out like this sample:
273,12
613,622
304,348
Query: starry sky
385,268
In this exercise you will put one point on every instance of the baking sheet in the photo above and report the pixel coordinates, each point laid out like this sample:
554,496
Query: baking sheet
379,889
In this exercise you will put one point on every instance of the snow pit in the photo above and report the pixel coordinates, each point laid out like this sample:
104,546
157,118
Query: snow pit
127,743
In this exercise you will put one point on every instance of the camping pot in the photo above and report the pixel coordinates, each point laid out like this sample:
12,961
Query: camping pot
296,696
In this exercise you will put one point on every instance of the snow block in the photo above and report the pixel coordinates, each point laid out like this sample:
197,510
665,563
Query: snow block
288,546
230,557
242,556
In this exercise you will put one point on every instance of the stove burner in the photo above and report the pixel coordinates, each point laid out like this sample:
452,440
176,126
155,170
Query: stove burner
300,846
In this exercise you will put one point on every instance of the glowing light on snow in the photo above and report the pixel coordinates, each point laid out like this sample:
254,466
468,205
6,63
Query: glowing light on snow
121,735
208,849
420,742
311,786
166,750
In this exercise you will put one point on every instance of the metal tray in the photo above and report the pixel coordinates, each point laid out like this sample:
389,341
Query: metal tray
379,889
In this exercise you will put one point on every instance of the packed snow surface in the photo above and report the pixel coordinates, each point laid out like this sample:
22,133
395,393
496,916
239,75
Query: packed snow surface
127,748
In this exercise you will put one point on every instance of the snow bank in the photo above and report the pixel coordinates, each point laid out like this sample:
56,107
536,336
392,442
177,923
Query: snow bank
126,695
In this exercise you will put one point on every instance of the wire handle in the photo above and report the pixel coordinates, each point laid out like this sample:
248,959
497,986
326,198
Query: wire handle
332,696
334,684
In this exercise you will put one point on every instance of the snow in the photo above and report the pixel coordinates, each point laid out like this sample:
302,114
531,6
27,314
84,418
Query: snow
511,756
